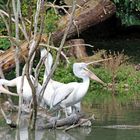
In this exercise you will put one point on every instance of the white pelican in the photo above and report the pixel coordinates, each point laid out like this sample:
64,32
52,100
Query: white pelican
72,93
53,85
16,82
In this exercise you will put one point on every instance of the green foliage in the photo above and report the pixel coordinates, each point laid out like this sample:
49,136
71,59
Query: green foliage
3,4
2,122
65,74
51,21
28,6
2,27
4,43
128,11
127,86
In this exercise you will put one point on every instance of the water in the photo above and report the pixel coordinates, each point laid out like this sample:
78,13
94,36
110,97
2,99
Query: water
120,123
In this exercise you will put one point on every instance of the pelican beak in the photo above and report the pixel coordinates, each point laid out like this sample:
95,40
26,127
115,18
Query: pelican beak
93,76
4,90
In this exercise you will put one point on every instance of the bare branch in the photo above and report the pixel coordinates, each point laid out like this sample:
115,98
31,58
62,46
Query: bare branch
20,97
80,123
21,28
34,45
78,45
16,14
55,48
60,49
5,91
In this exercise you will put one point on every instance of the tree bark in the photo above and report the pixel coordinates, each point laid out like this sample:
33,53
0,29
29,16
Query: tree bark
77,48
91,13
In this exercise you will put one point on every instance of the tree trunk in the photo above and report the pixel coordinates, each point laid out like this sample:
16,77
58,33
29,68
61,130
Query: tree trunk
77,48
91,13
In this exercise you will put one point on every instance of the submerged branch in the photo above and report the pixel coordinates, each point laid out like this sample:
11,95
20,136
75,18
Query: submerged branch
8,121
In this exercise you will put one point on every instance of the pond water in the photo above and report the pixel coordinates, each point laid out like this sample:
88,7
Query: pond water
112,123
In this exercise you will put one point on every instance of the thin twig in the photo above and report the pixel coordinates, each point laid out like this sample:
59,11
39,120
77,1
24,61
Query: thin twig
97,61
55,48
23,24
79,124
2,12
78,45
8,121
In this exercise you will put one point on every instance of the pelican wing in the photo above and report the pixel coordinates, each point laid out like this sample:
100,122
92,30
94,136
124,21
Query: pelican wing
56,84
61,94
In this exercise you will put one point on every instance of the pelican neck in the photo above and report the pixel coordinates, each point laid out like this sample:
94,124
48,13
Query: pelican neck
86,79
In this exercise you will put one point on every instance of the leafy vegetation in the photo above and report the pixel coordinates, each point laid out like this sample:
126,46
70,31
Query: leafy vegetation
127,86
50,21
4,43
128,11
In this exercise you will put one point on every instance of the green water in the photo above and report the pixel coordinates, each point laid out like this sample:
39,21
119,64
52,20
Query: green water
110,124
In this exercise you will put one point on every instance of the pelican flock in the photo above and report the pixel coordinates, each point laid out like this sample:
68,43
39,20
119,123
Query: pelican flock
56,95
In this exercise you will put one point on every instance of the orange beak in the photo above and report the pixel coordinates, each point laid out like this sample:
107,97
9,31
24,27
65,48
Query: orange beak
93,76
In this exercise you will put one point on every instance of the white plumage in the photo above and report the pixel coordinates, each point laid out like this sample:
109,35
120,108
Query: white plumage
16,82
72,93
52,85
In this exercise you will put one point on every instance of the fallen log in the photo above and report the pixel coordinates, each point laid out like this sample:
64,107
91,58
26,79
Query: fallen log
91,13
70,120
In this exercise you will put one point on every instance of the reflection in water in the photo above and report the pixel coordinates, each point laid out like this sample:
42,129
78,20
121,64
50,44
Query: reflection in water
23,134
108,116
76,134
130,116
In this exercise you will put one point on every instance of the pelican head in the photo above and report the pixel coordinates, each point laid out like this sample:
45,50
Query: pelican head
48,59
81,71
78,69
